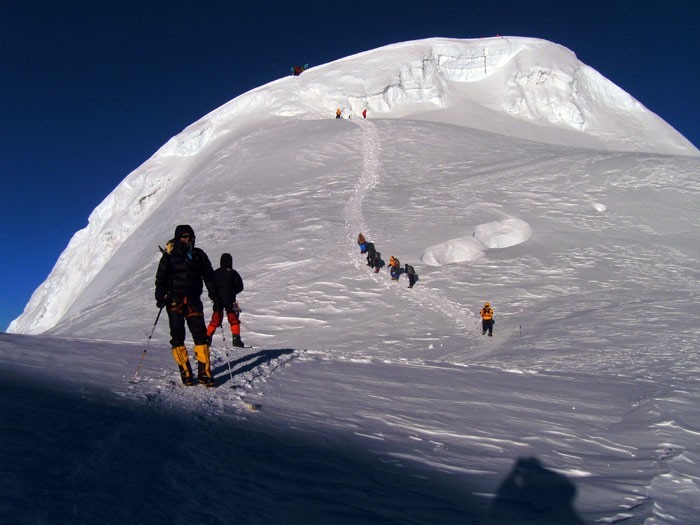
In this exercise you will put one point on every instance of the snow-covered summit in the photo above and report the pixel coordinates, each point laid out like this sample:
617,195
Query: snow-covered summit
522,87
517,87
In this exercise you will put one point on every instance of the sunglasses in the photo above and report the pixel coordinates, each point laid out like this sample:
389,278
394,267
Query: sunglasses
185,236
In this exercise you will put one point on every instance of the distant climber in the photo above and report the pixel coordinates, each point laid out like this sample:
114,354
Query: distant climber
371,252
411,274
374,258
394,268
361,242
298,70
487,321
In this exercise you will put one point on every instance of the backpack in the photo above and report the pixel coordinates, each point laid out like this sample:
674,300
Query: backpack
237,283
169,247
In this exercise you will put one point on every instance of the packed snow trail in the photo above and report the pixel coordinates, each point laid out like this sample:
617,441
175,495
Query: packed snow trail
422,296
237,373
369,177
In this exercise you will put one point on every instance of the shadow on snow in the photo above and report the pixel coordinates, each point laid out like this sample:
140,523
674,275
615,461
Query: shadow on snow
79,455
252,361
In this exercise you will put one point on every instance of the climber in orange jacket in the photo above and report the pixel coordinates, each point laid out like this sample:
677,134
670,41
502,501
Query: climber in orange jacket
487,321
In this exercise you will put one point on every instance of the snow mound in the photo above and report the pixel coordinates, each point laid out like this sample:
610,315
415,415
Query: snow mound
503,234
453,251
490,235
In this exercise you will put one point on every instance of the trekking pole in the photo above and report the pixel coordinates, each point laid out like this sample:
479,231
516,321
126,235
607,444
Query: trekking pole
228,359
136,375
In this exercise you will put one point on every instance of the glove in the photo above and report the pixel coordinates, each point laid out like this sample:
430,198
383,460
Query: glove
217,306
161,302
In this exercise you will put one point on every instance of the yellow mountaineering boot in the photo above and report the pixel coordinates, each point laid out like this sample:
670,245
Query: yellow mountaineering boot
204,374
183,363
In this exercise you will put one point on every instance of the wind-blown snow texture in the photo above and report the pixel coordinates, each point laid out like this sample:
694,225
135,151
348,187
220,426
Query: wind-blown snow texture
503,170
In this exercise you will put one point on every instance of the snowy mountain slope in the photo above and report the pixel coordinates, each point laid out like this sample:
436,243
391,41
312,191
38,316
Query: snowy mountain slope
282,220
515,86
380,404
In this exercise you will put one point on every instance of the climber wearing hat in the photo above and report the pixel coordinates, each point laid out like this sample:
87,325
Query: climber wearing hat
228,284
181,271
486,319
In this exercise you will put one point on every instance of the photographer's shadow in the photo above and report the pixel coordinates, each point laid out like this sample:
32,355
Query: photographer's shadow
534,494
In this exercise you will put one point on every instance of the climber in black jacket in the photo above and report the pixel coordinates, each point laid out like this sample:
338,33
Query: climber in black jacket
228,285
181,271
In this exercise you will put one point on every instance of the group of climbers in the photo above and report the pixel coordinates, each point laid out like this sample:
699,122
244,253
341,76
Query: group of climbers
178,286
184,269
374,258
374,261
339,114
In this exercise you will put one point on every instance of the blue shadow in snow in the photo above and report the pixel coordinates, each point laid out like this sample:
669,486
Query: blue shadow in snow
534,494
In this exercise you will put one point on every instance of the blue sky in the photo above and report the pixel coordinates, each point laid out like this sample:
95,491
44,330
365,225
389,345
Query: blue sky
90,90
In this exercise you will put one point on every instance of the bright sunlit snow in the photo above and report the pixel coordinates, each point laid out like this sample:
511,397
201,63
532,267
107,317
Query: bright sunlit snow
503,170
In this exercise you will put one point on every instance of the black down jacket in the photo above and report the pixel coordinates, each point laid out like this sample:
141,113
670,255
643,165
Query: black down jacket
182,271
228,281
